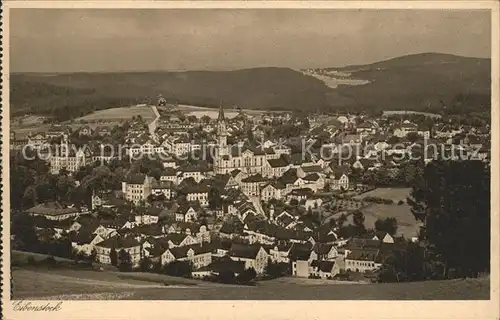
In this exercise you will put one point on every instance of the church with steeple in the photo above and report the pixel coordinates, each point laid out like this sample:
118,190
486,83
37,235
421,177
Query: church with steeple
229,158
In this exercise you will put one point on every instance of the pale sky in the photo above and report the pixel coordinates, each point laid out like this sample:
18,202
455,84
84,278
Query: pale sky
66,40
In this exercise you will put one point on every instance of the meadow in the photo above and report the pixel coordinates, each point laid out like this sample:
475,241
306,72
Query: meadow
394,194
407,225
85,285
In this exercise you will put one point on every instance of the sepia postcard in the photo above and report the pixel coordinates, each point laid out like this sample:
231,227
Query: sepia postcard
250,160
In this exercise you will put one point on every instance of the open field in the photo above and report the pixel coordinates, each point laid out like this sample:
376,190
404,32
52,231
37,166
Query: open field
394,194
121,113
85,285
407,225
21,257
330,79
214,112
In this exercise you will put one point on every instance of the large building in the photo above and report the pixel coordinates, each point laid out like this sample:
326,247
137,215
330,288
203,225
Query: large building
137,187
244,158
69,157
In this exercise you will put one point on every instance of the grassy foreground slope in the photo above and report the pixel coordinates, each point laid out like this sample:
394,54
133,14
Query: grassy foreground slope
79,284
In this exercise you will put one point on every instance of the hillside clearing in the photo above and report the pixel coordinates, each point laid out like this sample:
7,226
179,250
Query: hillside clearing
121,113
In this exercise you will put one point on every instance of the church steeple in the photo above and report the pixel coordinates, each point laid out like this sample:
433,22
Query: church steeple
222,132
221,117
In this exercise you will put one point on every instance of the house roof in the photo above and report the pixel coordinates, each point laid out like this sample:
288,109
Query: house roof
278,163
162,184
311,177
302,192
232,227
300,251
254,178
137,178
276,185
51,208
169,172
235,172
244,251
323,266
118,242
311,169
225,264
363,254
176,238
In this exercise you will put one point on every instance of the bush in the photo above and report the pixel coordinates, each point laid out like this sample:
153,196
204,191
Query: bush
378,200
400,202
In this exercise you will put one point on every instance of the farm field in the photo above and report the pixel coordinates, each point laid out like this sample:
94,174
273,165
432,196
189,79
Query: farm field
121,113
78,285
394,194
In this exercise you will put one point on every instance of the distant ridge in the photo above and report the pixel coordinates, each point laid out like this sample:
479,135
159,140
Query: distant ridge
414,59
416,82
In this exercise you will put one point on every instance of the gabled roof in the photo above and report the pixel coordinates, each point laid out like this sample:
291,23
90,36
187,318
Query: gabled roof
323,266
169,172
225,264
176,238
278,163
244,251
235,172
289,176
162,184
118,242
311,169
311,177
137,178
276,185
302,192
300,251
255,178
51,208
363,254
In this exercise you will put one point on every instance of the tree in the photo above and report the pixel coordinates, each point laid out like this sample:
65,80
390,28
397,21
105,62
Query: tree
178,269
359,222
452,199
214,199
226,276
276,270
23,230
389,225
125,261
205,119
341,220
93,255
146,264
113,256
